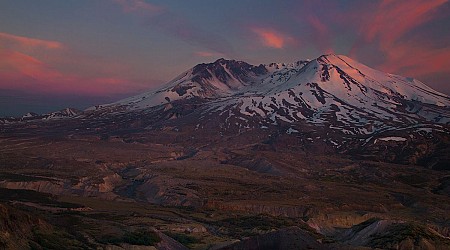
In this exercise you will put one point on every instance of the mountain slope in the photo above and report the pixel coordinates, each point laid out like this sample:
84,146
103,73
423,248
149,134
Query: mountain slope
332,89
213,80
331,104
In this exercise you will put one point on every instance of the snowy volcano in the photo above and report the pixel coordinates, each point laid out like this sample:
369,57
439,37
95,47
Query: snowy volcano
332,90
331,104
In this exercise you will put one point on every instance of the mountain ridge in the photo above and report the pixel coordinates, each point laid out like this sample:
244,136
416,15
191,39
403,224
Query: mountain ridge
331,89
218,74
331,104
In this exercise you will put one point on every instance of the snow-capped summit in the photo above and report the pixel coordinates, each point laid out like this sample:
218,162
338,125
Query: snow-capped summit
29,115
331,89
60,114
328,103
207,80
365,79
63,113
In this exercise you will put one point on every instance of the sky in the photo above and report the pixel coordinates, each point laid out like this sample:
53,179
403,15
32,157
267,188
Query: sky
78,53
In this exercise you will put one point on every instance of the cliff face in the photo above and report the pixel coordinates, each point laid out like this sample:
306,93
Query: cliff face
17,227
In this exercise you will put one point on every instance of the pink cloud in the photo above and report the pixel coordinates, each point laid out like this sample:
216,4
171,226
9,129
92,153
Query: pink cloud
417,60
390,23
18,63
388,31
28,42
26,73
22,69
393,19
270,38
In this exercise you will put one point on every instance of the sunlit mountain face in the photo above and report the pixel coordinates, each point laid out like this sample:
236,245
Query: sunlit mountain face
138,124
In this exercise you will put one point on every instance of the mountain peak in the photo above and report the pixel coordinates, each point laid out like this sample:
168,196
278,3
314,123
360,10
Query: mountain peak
331,55
226,71
302,90
332,58
223,61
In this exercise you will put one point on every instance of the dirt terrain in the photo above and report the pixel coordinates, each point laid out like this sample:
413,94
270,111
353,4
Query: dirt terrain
144,189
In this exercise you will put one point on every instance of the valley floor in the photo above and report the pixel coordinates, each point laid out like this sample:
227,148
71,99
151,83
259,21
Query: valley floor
86,192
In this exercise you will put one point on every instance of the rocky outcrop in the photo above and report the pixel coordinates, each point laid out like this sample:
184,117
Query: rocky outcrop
16,227
168,191
274,210
50,187
110,182
391,234
327,223
85,187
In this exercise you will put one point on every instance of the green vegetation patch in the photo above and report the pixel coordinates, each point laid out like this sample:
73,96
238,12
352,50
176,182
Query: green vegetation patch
253,225
413,180
21,177
54,240
184,239
257,222
23,195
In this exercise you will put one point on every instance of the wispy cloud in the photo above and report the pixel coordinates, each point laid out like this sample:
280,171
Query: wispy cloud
271,38
30,67
22,67
27,73
415,59
393,19
9,39
391,27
